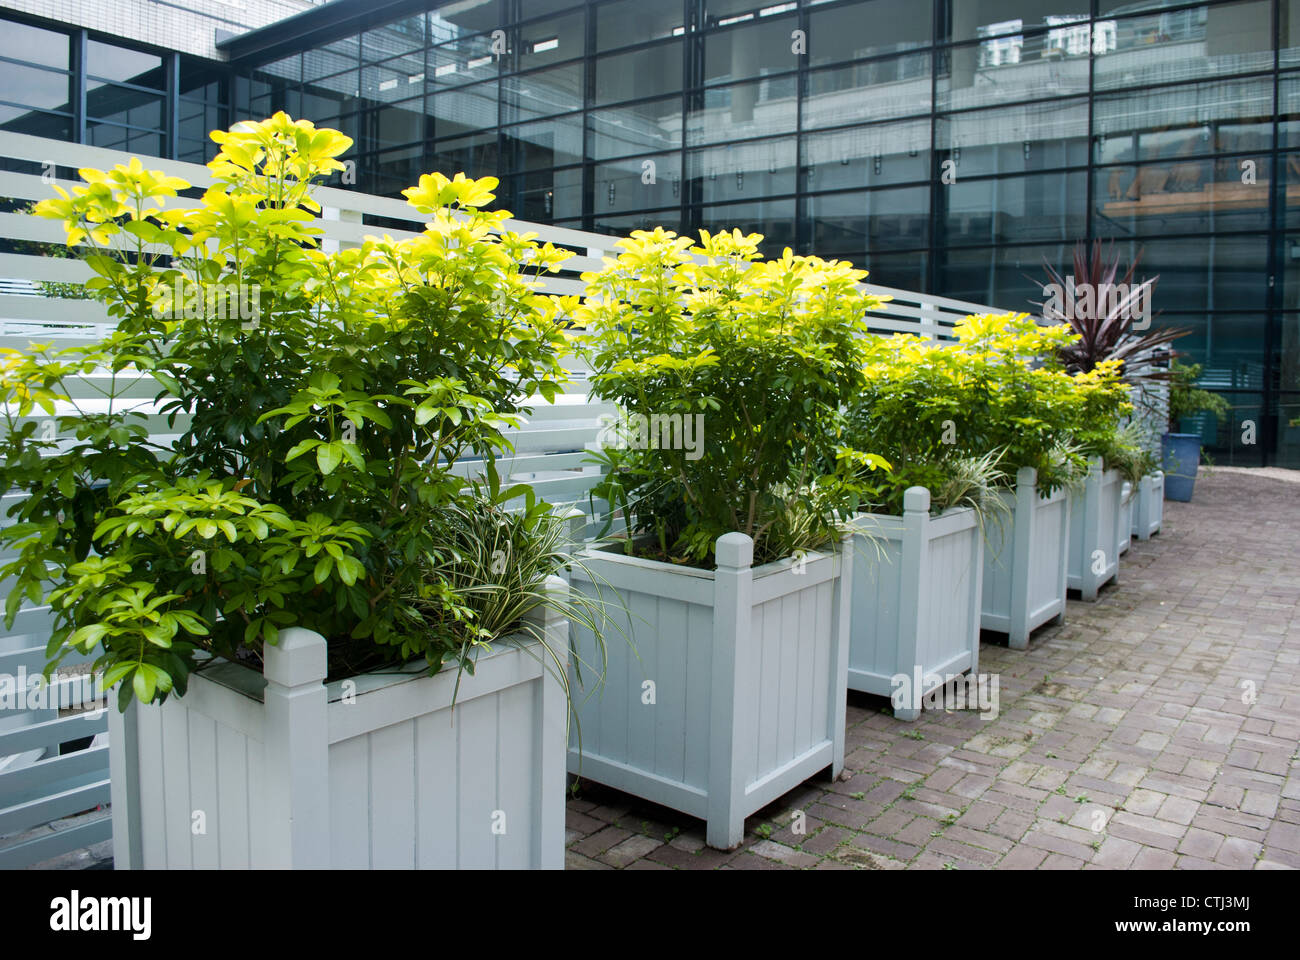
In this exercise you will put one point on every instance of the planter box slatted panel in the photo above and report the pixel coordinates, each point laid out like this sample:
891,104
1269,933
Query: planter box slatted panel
380,772
748,667
1149,509
917,588
1025,562
1096,516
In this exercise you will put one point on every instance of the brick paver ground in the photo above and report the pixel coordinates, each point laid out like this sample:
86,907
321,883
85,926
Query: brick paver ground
1159,727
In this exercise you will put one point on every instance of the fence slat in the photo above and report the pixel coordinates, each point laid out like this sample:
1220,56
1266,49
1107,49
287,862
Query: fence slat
51,733
56,844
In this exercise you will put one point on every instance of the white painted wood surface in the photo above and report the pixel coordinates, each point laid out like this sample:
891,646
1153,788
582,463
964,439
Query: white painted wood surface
1128,505
1149,508
732,688
1096,516
1025,562
280,770
917,591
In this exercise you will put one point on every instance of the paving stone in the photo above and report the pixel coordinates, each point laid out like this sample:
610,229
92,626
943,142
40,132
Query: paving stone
633,848
783,854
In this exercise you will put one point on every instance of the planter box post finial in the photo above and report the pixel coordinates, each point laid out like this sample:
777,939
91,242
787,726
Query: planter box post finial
297,750
731,705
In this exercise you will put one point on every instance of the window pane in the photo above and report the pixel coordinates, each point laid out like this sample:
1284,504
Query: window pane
1227,344
979,19
641,73
475,156
1030,137
198,120
737,171
399,123
408,35
35,87
1181,197
1229,274
744,110
1289,34
879,90
867,155
391,172
1178,122
552,40
290,68
540,8
108,62
721,11
551,143
635,21
633,185
35,123
867,29
852,225
468,16
1005,278
342,86
33,45
1289,346
749,50
320,105
546,194
1185,45
1015,209
123,105
902,271
330,59
636,128
120,138
774,219
543,93
1011,68
459,111
462,61
396,79
872,155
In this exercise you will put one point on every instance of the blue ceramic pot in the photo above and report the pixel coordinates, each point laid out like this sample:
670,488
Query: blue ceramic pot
1181,454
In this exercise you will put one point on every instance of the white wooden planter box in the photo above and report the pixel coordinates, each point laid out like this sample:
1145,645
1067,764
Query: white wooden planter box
1128,503
1149,506
1025,561
726,687
282,770
916,600
1096,516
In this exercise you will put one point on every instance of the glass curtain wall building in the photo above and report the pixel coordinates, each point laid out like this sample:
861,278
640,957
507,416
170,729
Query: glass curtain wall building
948,146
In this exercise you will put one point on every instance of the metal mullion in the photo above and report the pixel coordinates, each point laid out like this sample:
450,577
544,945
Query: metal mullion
79,50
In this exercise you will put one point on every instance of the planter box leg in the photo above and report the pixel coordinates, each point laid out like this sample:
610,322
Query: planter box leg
841,606
553,733
1026,518
908,715
124,754
730,717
